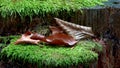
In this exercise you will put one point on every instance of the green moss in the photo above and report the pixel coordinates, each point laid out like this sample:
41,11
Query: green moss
52,56
41,7
4,41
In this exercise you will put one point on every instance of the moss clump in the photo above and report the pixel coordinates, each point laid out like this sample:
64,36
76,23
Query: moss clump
52,56
4,41
43,7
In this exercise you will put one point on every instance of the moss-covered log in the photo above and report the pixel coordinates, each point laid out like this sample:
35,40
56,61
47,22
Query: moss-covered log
94,18
43,55
24,15
104,21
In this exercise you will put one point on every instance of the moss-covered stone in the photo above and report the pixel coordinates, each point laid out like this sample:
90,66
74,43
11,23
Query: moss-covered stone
53,56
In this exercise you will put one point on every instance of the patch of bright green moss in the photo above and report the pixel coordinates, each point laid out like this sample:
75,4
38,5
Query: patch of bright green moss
53,56
41,7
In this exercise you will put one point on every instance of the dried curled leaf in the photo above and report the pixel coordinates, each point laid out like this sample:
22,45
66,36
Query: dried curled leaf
55,29
75,32
26,38
56,38
37,36
78,32
59,38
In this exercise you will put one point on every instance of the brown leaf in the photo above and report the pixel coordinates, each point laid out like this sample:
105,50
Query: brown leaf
55,30
78,32
60,38
37,36
56,38
25,38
